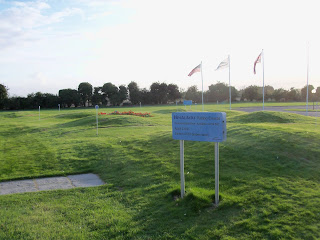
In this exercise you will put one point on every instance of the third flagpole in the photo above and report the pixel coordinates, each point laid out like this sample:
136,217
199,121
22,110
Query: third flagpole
307,79
202,88
229,82
263,80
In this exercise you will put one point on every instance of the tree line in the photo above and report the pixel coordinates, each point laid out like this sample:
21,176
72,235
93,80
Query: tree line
158,93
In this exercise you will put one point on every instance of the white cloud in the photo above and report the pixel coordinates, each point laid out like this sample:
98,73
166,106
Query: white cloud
39,79
96,3
98,15
24,20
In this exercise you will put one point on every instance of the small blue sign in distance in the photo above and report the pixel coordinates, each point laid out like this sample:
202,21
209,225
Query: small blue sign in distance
199,126
97,107
187,102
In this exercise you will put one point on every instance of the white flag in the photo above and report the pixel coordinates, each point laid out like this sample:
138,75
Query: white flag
223,64
258,60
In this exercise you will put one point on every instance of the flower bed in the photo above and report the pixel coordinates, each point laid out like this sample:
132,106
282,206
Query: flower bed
131,113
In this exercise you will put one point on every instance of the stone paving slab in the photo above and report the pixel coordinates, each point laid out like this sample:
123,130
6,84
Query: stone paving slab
85,180
17,187
51,183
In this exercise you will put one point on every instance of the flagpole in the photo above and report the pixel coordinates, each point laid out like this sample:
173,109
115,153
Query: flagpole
229,82
307,78
202,88
263,80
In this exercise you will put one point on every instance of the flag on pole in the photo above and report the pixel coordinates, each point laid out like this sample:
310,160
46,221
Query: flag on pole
258,60
196,69
223,64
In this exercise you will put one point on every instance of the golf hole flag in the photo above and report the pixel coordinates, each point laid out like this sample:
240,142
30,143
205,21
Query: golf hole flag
223,64
258,60
196,69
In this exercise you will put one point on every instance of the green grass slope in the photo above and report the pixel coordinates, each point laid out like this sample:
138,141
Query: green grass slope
269,177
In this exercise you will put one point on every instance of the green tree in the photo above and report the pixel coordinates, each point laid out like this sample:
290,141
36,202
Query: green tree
146,97
317,97
234,94
110,92
304,92
85,92
69,97
218,92
279,94
36,99
16,103
134,93
123,93
97,97
293,95
268,92
155,92
193,94
251,93
159,92
3,95
173,92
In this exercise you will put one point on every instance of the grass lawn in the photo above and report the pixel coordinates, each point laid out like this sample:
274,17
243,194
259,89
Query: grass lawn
269,176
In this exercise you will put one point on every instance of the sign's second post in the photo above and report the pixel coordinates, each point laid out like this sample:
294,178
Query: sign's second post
216,163
97,107
182,168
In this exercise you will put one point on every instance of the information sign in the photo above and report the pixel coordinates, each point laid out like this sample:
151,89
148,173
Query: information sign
187,102
199,126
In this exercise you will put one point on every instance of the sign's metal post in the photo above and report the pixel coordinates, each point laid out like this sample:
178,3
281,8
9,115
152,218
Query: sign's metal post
317,112
182,168
59,107
216,158
39,113
97,107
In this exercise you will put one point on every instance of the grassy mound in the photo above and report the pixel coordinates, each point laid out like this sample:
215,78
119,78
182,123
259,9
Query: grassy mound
75,115
269,117
123,121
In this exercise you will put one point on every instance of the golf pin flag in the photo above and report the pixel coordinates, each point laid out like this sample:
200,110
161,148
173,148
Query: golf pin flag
223,64
196,69
258,60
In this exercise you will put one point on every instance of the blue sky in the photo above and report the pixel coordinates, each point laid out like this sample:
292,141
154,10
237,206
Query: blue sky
50,45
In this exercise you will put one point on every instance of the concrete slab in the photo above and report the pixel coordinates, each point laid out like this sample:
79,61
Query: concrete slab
17,187
85,180
53,183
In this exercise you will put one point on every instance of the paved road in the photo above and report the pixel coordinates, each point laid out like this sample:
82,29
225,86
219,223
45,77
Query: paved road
281,109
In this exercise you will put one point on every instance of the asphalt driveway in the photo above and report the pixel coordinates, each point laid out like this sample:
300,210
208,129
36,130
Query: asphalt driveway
283,109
